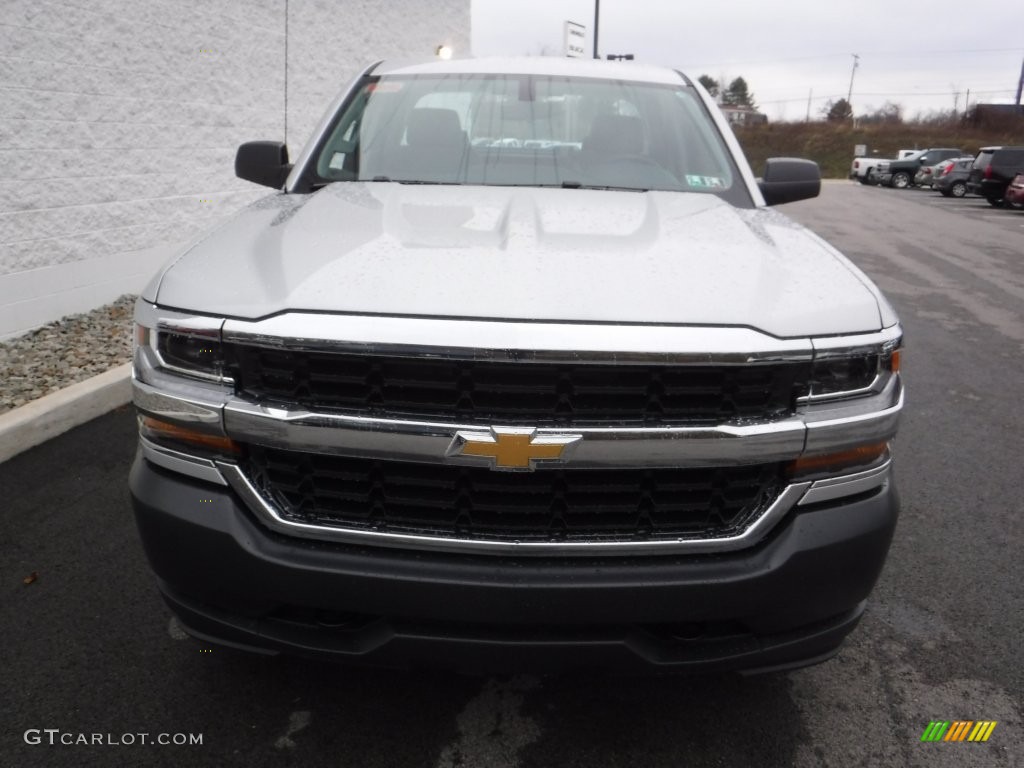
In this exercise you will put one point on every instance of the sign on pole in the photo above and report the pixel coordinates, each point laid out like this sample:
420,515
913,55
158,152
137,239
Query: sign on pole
574,36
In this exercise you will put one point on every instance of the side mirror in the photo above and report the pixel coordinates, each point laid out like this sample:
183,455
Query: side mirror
788,179
263,162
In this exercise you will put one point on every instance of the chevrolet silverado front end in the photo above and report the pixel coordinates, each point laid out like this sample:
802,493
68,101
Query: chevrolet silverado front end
518,369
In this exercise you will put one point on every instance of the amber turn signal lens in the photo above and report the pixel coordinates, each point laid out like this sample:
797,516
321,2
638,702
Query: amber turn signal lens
827,462
894,361
157,429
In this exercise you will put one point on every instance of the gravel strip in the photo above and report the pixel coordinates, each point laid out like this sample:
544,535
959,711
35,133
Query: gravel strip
63,352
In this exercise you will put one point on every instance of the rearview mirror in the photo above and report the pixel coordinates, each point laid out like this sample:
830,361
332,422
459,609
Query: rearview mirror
263,162
788,179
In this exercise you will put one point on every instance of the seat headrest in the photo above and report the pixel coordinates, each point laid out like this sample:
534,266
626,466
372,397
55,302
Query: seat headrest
431,127
616,135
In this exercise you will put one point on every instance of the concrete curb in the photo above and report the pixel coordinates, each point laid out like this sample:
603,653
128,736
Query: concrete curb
52,415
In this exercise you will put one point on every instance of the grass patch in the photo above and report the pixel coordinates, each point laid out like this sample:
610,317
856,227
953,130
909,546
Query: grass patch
831,145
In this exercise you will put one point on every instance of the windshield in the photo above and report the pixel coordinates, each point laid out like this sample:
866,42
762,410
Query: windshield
528,130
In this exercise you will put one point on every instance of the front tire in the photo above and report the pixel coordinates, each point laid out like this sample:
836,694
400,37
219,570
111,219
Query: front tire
959,189
900,180
995,202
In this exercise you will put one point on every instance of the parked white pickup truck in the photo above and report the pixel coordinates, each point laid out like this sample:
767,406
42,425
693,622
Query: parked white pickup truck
862,168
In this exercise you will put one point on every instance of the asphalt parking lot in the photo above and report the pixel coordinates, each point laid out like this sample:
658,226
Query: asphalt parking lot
972,206
88,647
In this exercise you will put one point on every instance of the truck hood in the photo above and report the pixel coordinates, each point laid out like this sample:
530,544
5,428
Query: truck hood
524,254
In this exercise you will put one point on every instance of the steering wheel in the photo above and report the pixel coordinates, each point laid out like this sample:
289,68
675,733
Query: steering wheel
641,165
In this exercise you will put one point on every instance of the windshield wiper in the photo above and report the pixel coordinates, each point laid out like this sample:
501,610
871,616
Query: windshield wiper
439,183
579,185
562,185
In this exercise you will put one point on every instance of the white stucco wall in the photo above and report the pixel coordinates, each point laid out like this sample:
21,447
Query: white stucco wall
119,123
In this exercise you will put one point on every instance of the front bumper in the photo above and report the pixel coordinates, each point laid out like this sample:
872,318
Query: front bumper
786,602
988,188
1015,195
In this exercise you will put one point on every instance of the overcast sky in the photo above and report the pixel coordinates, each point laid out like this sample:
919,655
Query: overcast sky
918,54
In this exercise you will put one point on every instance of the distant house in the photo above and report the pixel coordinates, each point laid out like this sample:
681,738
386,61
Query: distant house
995,115
743,115
1001,109
983,110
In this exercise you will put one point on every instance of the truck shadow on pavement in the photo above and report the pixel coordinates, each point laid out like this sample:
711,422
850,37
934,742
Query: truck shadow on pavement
88,648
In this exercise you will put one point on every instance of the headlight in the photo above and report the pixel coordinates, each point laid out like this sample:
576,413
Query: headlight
853,367
188,345
835,376
191,351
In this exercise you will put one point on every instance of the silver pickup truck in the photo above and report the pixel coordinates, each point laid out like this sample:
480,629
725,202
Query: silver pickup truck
517,368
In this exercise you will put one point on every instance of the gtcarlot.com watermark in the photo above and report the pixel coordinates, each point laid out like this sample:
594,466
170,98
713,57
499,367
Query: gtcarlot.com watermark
56,737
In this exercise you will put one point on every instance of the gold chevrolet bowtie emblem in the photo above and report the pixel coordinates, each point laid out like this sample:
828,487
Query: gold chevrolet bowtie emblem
513,448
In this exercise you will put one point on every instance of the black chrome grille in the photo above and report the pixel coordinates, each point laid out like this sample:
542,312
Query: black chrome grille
518,393
477,503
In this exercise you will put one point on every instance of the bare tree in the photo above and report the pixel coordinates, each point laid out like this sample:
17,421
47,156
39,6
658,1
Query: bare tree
889,113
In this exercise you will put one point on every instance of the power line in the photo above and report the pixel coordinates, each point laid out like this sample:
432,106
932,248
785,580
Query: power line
934,93
803,99
819,57
940,52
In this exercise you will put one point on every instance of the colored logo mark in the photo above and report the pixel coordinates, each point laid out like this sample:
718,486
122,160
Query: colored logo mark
512,448
958,730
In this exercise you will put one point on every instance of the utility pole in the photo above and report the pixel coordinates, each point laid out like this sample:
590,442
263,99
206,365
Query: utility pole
1020,82
597,20
286,73
849,94
810,93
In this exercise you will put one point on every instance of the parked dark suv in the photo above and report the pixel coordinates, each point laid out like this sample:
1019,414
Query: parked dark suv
993,170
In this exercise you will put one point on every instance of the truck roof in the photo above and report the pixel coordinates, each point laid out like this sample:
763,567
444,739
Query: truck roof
533,65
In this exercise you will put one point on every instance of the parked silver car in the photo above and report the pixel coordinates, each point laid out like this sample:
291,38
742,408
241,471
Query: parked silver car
951,181
927,173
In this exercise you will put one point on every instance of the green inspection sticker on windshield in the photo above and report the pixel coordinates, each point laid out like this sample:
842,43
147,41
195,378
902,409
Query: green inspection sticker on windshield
705,182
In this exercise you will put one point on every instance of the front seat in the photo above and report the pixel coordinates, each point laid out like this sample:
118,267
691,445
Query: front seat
435,147
615,153
615,135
